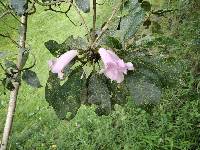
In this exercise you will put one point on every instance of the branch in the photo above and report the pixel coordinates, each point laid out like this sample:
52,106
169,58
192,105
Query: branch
49,3
16,84
9,9
105,27
63,12
94,20
9,37
4,14
75,7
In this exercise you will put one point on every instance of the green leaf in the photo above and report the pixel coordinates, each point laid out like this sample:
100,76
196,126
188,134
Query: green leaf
98,94
31,78
7,83
143,91
83,5
67,97
130,22
54,48
19,6
70,43
10,64
112,42
146,5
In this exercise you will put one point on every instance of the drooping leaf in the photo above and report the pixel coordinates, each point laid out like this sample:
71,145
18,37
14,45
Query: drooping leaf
67,97
143,91
31,78
83,5
98,94
19,6
132,19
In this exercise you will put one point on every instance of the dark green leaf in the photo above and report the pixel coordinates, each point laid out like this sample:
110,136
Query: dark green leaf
31,78
74,43
10,64
25,57
112,42
147,23
83,5
98,94
7,83
70,43
19,6
66,98
146,5
54,48
131,21
142,90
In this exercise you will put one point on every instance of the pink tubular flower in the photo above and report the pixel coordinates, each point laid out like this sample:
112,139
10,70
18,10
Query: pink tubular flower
58,65
115,68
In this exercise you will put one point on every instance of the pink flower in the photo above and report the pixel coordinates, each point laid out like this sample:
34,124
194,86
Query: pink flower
115,68
58,65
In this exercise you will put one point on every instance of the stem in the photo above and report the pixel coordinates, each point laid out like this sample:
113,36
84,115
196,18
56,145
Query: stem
106,25
94,20
14,93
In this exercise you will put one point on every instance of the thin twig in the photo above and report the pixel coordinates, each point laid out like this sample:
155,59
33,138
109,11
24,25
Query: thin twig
4,14
9,37
8,8
94,20
105,27
49,3
76,9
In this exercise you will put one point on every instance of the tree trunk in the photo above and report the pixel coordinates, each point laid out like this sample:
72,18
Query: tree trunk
14,93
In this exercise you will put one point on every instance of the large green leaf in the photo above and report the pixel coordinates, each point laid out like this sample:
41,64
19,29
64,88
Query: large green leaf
142,90
83,5
19,6
133,17
65,98
98,94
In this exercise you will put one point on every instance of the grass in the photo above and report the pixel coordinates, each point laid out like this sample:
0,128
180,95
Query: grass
172,124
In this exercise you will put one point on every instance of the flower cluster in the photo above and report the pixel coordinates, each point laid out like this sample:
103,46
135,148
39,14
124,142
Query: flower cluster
114,67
